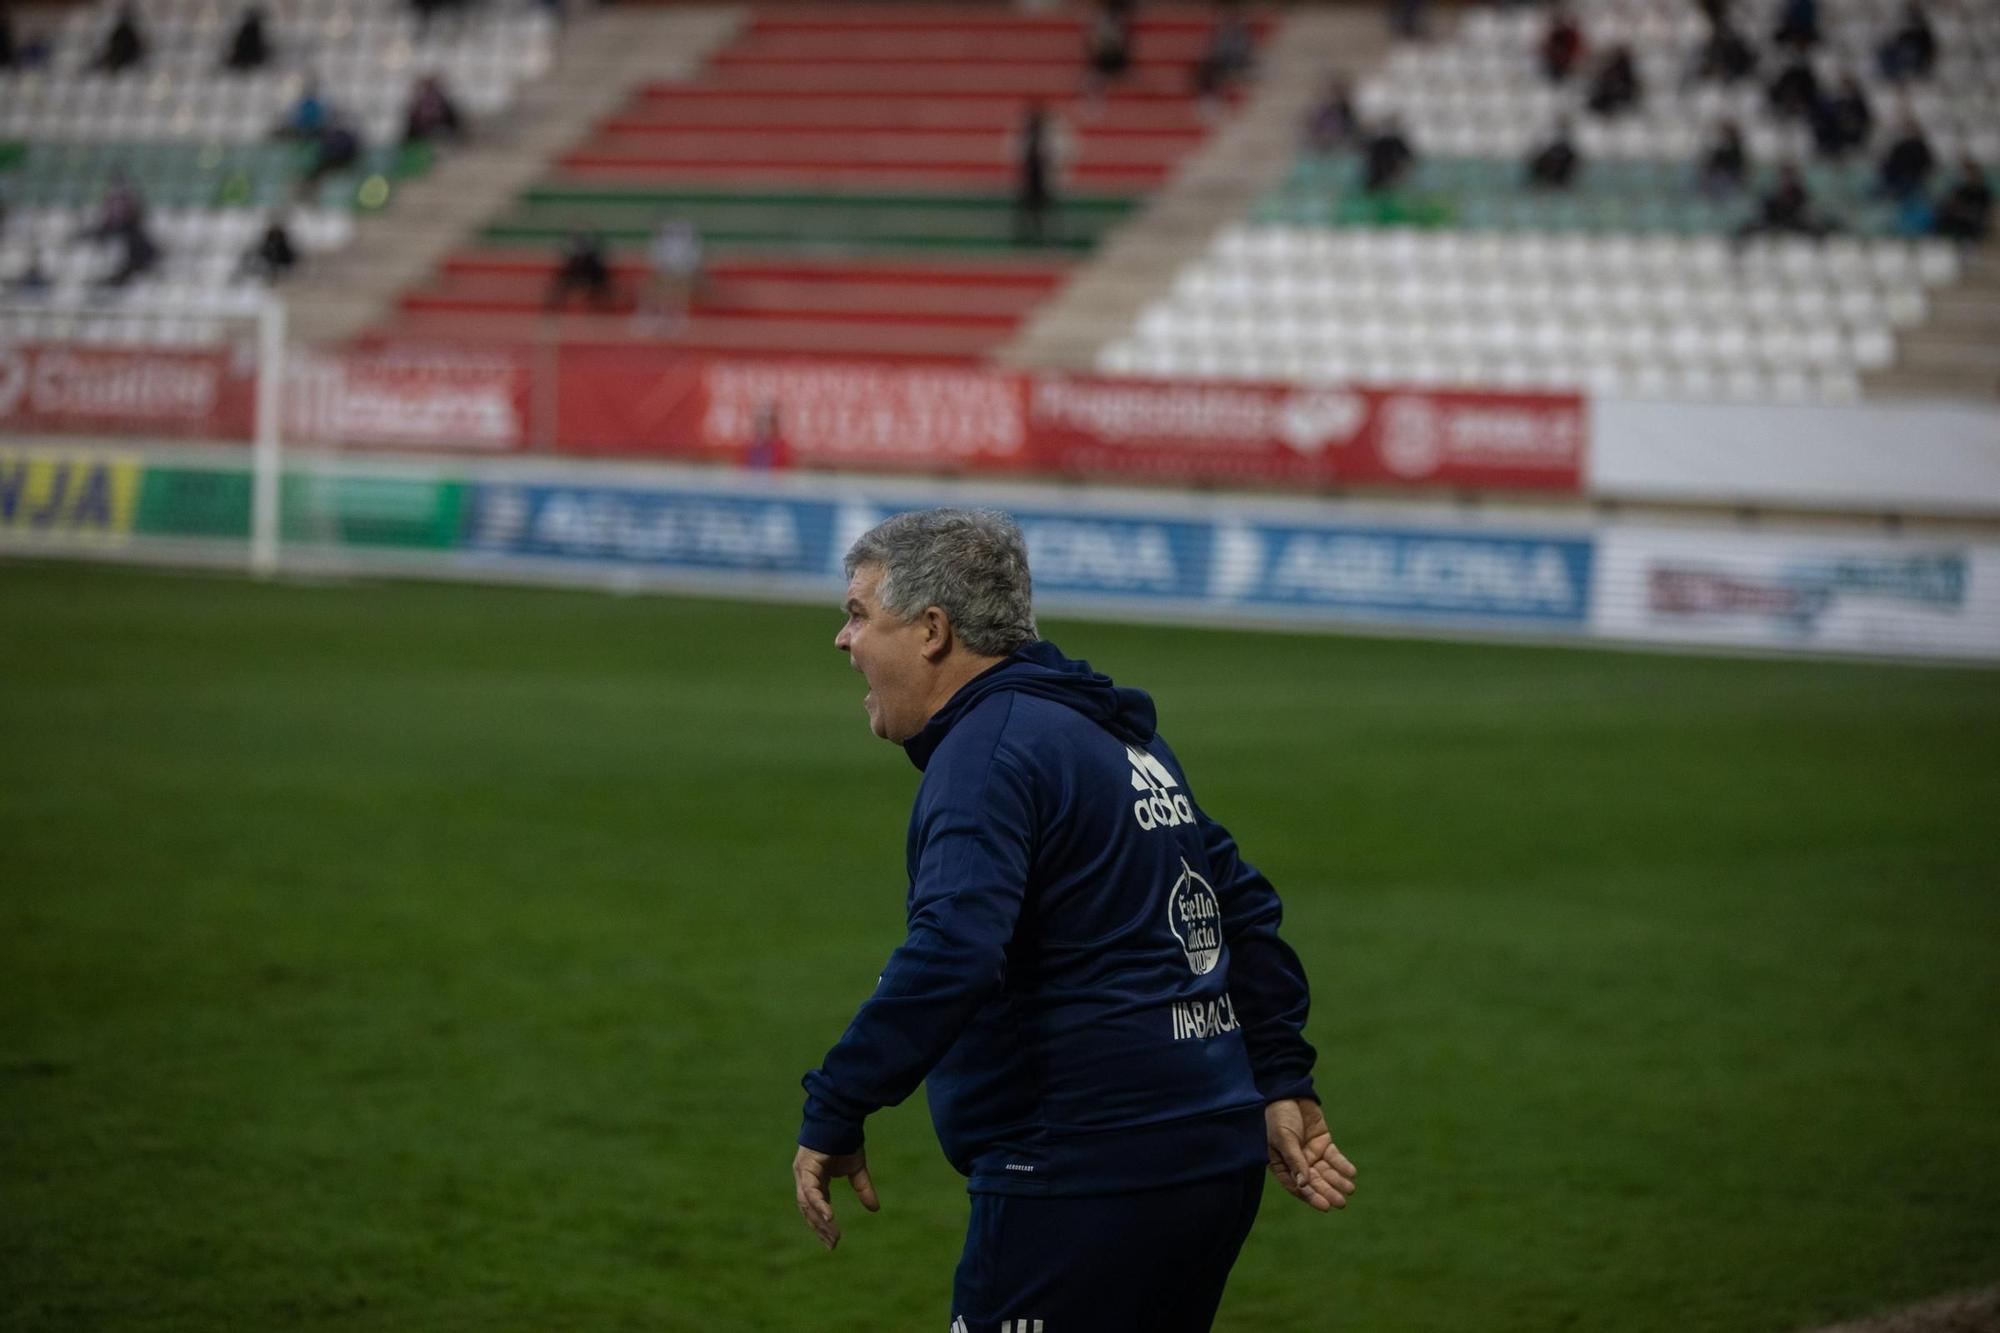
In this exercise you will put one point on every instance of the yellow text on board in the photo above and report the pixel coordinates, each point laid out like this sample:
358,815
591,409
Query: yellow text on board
66,496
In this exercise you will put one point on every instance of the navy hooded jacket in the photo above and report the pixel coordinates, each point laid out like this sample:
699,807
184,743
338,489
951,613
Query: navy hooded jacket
1093,980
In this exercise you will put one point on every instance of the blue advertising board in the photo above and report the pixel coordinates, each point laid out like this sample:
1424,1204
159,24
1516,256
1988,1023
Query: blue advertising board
650,527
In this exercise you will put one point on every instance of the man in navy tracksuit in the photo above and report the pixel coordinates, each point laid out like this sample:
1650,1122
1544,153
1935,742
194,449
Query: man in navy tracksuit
1093,981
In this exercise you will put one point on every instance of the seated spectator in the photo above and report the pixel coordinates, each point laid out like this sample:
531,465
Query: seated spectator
336,148
1615,88
1911,50
138,254
426,10
768,450
272,256
120,208
1842,120
1387,159
307,116
1907,165
1795,92
33,281
1965,213
1562,44
124,47
1787,210
1331,125
1798,25
1553,166
250,48
432,113
8,56
673,264
1230,55
1108,48
1723,163
583,267
1715,11
1726,57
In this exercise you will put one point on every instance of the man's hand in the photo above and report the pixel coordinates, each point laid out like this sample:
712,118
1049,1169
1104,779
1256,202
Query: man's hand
1303,1157
812,1175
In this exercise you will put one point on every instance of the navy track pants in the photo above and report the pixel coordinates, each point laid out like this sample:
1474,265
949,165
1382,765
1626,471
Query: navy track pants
1149,1262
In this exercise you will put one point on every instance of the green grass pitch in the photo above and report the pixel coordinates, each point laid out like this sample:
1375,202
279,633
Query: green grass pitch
444,958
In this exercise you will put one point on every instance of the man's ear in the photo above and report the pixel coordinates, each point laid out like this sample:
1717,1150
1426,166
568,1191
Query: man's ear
937,633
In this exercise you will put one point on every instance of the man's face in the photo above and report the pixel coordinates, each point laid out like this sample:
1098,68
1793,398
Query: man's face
888,652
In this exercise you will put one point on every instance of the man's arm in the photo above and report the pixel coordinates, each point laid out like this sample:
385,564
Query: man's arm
1268,985
1266,980
972,871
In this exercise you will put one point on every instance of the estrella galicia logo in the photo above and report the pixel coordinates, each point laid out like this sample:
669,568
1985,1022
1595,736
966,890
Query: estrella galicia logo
1195,916
1160,806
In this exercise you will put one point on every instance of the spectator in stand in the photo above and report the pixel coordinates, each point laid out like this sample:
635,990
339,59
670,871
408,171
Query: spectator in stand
119,208
1409,19
673,264
250,46
1232,51
272,256
1798,25
32,282
768,450
1553,166
1108,49
426,10
307,116
1724,164
1911,50
1843,119
1907,164
1562,44
336,148
1795,92
1331,126
1615,88
124,46
1966,211
1040,148
432,113
1715,11
1787,210
138,252
8,56
582,267
1725,57
1388,158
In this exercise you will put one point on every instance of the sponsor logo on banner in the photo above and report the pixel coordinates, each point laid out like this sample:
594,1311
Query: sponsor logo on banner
1101,553
444,401
1278,432
652,527
1409,572
1798,595
868,413
1225,417
75,387
88,496
1420,436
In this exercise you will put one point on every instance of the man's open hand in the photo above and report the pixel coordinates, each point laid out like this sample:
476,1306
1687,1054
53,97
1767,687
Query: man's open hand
1303,1157
813,1174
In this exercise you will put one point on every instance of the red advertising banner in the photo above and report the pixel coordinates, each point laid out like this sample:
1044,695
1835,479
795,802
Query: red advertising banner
830,413
1199,431
199,393
965,418
410,397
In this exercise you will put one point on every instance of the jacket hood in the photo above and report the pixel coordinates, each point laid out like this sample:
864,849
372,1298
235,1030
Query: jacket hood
1040,669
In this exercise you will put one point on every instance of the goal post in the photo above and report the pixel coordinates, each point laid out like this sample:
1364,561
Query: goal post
154,427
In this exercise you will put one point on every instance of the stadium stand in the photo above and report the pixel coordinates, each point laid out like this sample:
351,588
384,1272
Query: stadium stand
197,145
849,170
1632,280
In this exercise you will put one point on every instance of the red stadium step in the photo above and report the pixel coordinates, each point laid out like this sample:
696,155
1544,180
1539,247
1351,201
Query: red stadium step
1000,122
710,333
689,105
1152,21
997,177
1023,276
1000,308
894,79
949,48
888,147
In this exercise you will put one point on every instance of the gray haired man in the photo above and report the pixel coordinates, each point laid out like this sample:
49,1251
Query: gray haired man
1093,983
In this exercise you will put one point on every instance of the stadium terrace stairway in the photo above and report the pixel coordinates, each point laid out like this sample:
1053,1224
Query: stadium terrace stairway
850,173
